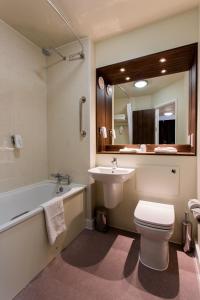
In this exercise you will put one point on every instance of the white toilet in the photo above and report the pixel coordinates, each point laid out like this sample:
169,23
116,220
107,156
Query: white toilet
155,222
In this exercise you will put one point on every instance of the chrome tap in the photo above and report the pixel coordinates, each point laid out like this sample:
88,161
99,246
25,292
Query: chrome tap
114,163
61,179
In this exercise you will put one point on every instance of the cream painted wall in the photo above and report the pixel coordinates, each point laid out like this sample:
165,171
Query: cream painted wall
68,152
142,102
120,107
166,34
177,31
138,103
23,110
67,82
178,91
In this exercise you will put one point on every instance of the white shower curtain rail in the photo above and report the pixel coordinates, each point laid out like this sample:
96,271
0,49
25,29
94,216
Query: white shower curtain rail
124,91
81,53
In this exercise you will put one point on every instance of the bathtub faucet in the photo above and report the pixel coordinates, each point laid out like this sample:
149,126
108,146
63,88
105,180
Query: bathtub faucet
114,163
61,178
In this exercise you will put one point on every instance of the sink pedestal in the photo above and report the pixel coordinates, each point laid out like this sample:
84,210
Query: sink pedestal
112,180
113,194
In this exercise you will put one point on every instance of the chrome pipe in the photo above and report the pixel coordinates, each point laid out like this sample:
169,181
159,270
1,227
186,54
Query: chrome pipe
123,90
48,51
76,56
67,23
60,54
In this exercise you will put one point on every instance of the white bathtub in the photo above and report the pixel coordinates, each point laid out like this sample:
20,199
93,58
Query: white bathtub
24,247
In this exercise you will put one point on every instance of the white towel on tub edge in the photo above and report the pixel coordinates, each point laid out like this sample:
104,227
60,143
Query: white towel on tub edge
54,218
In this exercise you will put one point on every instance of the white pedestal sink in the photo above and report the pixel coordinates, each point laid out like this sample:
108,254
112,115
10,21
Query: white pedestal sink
112,179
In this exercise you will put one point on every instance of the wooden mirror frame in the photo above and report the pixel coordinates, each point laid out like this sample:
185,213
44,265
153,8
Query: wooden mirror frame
179,59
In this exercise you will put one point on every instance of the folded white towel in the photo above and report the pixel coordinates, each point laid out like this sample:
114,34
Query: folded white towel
130,150
120,117
193,203
165,150
54,217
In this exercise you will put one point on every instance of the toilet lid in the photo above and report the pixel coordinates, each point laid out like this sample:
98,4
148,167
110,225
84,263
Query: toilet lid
157,214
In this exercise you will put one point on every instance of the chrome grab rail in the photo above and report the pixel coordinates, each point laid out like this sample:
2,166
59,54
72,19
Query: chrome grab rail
82,131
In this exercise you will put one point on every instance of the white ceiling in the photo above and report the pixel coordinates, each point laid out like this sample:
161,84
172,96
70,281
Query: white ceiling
97,19
154,85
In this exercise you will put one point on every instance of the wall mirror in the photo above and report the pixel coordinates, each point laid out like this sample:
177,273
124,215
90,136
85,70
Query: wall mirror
152,111
150,100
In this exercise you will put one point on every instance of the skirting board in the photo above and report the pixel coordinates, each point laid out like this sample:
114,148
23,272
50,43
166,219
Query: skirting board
89,224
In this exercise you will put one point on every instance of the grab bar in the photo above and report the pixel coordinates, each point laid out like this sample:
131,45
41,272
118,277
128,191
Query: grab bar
82,131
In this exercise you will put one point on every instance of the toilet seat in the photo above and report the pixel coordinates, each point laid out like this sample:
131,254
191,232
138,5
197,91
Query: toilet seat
155,224
154,215
149,225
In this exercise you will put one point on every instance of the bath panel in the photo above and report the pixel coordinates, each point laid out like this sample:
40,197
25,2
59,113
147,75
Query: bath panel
24,247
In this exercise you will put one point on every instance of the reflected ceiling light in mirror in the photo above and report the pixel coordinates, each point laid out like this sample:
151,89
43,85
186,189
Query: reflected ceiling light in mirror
162,60
168,114
163,71
122,70
140,84
127,78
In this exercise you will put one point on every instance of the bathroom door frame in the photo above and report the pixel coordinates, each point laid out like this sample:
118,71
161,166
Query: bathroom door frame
157,108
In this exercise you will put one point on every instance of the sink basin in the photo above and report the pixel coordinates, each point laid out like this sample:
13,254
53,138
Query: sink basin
112,179
110,175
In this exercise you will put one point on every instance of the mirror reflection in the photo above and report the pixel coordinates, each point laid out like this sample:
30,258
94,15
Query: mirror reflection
152,111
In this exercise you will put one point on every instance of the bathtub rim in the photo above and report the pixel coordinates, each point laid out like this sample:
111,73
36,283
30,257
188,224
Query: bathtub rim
24,188
8,225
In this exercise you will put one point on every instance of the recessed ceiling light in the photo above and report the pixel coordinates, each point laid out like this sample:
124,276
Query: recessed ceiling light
162,60
122,70
127,78
168,114
163,71
140,84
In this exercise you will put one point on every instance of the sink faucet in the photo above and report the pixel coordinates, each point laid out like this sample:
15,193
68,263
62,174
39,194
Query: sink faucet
114,163
60,178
